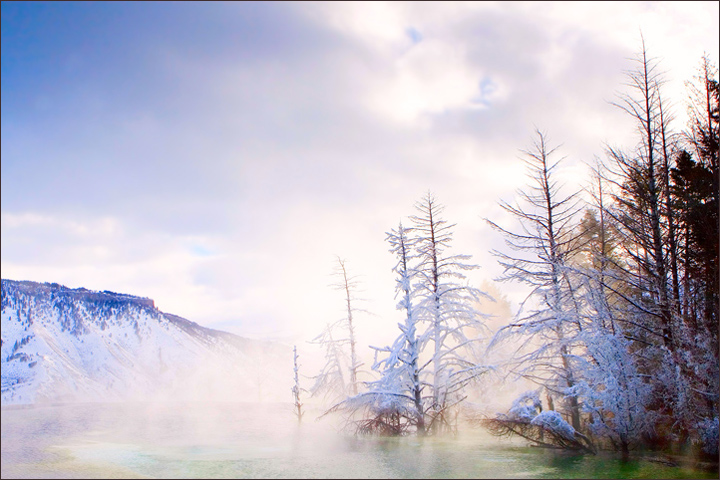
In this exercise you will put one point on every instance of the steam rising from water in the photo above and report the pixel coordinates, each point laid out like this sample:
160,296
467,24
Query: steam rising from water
242,440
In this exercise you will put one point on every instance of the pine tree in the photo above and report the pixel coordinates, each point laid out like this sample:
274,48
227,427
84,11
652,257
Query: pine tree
703,179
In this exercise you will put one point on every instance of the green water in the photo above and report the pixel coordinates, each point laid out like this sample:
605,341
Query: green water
255,441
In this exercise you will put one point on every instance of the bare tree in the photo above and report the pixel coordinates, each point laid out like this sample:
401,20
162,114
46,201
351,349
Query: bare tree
641,192
545,243
296,388
429,282
448,306
336,338
400,369
348,285
331,381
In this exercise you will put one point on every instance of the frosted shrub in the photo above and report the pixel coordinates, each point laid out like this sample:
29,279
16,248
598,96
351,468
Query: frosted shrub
525,407
709,430
552,421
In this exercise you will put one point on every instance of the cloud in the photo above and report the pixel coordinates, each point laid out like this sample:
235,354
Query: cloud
216,157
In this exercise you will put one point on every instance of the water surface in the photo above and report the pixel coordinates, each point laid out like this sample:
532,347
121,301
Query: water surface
185,440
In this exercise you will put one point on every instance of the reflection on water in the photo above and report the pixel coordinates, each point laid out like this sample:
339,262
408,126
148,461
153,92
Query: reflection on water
260,441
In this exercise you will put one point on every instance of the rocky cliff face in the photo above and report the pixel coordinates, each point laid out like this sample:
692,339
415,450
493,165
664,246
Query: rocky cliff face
62,344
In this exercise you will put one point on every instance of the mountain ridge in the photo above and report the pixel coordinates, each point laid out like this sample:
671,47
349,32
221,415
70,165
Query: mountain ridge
61,343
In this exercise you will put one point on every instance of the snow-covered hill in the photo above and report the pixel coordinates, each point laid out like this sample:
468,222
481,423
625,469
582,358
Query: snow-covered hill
62,344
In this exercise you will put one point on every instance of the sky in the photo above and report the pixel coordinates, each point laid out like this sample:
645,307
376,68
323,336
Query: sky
219,157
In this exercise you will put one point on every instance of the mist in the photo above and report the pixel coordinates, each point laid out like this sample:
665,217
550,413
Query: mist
529,277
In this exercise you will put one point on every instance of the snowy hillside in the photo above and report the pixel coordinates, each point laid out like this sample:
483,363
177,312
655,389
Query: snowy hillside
62,344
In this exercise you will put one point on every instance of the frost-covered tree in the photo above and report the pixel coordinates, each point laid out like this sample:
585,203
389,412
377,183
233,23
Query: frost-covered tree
422,375
399,387
622,319
331,381
546,240
393,403
613,391
337,339
698,191
446,304
527,419
400,369
667,212
616,393
348,285
640,197
296,387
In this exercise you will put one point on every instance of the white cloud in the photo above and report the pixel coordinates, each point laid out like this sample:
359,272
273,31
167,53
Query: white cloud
431,77
222,174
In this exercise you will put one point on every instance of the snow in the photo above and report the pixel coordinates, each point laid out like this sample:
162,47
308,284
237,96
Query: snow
84,345
526,406
551,420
